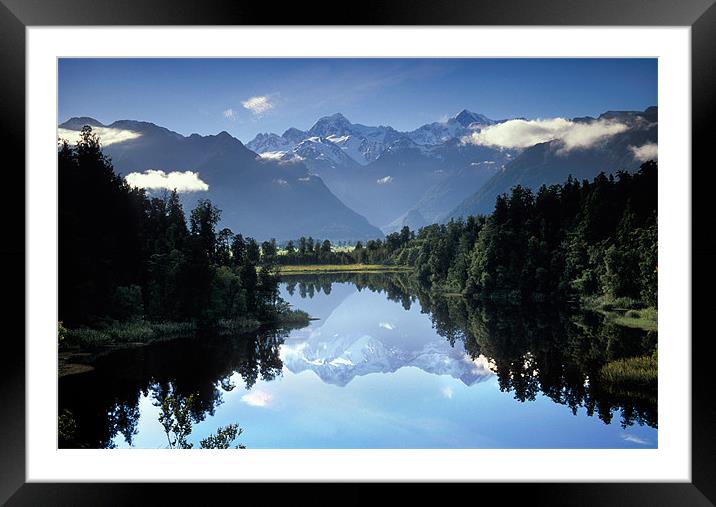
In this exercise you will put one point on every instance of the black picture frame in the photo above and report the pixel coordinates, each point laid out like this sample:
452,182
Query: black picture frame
16,15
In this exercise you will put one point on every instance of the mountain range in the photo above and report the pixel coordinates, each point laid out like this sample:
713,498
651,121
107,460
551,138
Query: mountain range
385,174
358,334
346,181
258,197
548,163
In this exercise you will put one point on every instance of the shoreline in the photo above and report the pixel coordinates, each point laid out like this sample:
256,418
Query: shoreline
75,359
313,269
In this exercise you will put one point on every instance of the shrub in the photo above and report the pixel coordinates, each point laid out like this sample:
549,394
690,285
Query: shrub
61,333
632,371
237,325
294,316
127,302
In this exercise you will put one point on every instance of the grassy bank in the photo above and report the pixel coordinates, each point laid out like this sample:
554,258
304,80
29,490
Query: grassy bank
80,347
339,268
630,372
122,333
633,377
643,319
625,312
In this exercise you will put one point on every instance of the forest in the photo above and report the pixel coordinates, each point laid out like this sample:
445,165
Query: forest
579,240
589,241
131,265
135,268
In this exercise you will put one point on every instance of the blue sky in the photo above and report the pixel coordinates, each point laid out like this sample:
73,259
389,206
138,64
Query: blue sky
247,96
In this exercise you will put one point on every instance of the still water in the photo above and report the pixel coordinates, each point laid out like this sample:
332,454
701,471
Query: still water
383,366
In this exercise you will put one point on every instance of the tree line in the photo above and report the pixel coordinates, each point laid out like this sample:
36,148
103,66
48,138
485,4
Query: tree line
590,240
584,239
306,250
124,255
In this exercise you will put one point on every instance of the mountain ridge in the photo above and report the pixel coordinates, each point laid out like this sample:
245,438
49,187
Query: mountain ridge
258,197
548,163
438,172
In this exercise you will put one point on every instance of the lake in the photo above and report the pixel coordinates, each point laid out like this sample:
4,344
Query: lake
385,365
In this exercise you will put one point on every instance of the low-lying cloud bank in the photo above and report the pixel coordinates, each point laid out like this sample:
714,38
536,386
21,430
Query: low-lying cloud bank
152,179
106,135
648,151
526,133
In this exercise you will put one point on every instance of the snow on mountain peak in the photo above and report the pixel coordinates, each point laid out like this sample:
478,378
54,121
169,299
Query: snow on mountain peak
361,143
338,360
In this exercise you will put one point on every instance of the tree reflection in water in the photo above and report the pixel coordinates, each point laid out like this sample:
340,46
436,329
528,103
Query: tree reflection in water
104,403
545,349
535,350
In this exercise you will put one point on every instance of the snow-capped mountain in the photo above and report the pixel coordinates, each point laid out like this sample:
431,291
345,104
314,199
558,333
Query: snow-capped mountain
341,359
366,165
346,343
270,145
456,127
361,143
324,149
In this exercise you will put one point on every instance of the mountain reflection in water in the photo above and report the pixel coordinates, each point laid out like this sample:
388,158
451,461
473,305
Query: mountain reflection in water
387,365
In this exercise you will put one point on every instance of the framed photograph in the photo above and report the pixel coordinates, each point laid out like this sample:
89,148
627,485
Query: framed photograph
425,245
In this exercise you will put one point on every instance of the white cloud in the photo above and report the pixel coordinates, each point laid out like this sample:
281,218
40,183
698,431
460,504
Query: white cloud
106,135
257,105
387,325
341,361
272,155
634,439
292,352
526,133
152,179
281,182
385,180
447,392
257,398
648,151
229,113
481,365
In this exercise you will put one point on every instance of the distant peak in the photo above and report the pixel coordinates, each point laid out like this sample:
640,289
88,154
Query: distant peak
294,135
77,122
466,117
333,118
333,124
227,138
